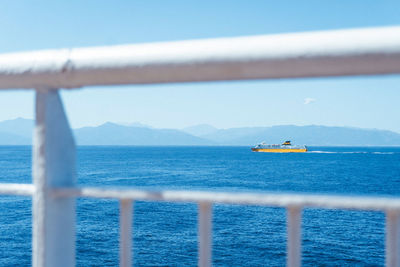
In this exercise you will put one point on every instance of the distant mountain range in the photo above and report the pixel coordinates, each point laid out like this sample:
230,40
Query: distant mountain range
19,132
115,134
16,132
312,135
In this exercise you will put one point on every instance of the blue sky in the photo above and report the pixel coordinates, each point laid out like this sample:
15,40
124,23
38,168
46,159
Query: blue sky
368,102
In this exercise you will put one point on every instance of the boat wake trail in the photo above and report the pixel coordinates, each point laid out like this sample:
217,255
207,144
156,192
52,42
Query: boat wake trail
351,152
323,152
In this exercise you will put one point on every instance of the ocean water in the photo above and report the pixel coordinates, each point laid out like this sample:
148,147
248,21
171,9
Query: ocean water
165,233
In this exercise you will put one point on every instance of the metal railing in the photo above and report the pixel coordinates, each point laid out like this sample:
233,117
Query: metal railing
370,51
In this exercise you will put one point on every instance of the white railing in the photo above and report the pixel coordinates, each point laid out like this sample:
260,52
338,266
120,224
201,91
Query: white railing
333,53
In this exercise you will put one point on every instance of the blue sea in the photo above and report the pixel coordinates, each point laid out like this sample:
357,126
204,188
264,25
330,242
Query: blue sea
165,234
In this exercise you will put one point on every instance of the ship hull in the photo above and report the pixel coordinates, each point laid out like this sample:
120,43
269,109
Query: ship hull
280,150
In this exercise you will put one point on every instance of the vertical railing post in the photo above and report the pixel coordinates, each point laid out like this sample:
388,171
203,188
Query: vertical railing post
294,236
125,233
205,234
53,234
392,238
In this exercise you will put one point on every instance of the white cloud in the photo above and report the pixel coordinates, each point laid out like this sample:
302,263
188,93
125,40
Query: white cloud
309,100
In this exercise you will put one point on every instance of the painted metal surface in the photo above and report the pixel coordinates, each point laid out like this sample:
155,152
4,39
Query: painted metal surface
293,258
278,150
17,189
392,238
125,234
53,165
313,54
273,200
204,234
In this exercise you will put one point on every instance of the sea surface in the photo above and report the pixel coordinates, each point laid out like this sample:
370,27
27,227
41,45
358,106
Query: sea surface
165,233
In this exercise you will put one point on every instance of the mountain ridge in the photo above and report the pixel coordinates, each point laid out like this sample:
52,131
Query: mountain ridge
115,134
19,132
316,135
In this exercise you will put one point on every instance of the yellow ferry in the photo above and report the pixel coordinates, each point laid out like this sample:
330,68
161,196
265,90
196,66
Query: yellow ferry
286,147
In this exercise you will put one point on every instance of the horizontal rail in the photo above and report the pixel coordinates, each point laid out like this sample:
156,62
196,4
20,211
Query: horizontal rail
17,189
278,200
366,51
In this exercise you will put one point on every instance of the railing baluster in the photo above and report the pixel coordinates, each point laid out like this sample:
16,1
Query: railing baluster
392,238
205,234
125,239
53,233
294,236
